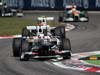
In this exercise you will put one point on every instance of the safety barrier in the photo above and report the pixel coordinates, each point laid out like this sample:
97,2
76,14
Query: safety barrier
53,4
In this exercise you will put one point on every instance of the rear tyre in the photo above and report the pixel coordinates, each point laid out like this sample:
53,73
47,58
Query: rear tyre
16,47
24,48
85,15
60,31
25,32
60,19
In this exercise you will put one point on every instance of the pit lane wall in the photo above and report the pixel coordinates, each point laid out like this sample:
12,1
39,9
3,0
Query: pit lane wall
52,4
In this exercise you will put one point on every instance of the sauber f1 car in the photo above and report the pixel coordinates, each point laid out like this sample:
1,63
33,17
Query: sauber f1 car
71,14
42,41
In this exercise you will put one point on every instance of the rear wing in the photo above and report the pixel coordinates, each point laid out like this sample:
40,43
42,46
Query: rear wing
46,18
36,27
70,6
1,3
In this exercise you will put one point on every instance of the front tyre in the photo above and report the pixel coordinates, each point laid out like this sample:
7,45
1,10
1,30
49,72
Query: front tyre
60,19
16,47
67,56
24,57
66,46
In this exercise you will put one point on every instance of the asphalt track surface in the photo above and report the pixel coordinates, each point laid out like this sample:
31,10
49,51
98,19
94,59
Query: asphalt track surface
85,38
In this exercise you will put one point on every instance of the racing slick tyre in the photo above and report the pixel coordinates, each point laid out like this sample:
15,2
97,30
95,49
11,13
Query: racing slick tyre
25,32
60,19
24,48
16,47
85,15
66,46
60,31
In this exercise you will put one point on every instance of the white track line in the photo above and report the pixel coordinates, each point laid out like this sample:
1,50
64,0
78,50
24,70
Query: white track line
9,37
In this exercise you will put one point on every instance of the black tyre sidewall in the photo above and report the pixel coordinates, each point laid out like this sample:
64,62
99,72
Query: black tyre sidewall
16,47
25,32
60,31
66,45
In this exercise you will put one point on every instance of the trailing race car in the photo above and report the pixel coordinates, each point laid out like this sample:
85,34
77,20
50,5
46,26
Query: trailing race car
6,11
71,14
42,41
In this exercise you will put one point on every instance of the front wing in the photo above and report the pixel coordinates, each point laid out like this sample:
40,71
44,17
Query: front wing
37,55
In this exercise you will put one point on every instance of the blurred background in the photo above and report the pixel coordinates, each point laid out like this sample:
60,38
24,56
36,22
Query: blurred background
52,4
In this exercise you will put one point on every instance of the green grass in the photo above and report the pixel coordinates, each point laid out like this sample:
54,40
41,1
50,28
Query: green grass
96,62
13,26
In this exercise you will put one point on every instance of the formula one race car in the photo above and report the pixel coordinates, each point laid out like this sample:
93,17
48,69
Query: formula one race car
71,14
6,11
42,41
